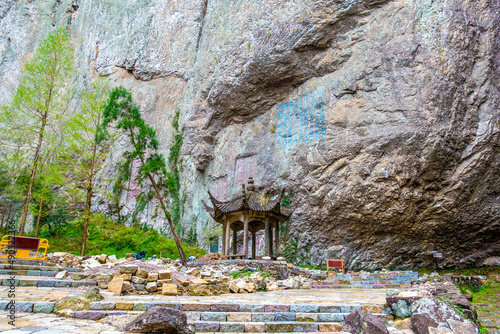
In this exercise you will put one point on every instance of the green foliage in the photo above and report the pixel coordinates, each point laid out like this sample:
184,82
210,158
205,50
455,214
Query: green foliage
192,237
110,237
127,117
152,173
210,232
174,182
242,273
31,122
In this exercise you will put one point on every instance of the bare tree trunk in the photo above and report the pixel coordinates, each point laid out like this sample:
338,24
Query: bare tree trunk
4,207
8,216
33,173
90,189
87,216
39,213
167,214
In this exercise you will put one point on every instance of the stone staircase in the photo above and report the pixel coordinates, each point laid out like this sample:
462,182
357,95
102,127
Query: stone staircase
228,317
39,276
378,280
241,317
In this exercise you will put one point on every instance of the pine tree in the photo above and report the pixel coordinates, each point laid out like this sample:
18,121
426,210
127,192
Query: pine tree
40,100
127,118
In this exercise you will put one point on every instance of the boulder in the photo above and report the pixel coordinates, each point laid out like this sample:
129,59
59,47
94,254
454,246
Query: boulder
392,292
200,290
401,306
151,287
141,273
79,276
462,327
430,312
245,286
116,286
361,322
126,277
193,271
128,269
61,275
126,286
112,258
152,277
92,263
160,320
104,278
102,258
198,281
164,274
160,282
67,306
183,282
138,280
103,285
233,288
441,330
169,289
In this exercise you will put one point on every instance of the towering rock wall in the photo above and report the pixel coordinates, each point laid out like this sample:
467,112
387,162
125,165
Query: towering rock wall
381,115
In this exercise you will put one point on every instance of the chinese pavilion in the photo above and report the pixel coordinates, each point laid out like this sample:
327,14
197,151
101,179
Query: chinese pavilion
250,214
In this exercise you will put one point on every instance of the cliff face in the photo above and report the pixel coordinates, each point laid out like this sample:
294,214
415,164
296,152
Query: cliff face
380,115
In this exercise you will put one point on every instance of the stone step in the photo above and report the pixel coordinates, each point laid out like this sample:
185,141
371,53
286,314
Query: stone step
37,267
47,273
223,312
237,307
38,281
265,317
361,286
264,327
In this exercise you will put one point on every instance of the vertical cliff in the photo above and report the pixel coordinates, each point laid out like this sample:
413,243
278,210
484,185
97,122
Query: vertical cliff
382,116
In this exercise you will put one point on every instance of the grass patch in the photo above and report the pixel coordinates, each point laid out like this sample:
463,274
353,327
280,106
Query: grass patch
110,237
482,271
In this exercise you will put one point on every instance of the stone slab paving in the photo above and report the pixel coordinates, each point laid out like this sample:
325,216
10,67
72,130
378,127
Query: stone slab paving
284,297
232,312
28,323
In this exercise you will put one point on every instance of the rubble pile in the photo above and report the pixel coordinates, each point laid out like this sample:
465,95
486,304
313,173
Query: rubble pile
208,277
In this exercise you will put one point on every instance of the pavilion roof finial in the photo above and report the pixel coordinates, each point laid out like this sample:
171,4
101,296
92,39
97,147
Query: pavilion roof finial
250,186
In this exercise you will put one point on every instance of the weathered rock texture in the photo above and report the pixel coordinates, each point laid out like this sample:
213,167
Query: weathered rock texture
381,115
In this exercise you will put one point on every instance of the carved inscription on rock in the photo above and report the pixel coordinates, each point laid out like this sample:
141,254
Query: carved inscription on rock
301,120
245,168
220,188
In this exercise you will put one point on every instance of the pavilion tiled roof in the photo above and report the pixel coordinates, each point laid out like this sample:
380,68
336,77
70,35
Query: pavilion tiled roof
248,201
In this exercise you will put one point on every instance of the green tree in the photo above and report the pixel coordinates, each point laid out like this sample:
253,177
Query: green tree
11,168
127,118
83,154
40,100
174,184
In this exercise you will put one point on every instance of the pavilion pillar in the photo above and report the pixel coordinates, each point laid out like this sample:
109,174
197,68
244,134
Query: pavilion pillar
226,240
266,230
223,251
245,236
271,225
235,237
277,238
254,239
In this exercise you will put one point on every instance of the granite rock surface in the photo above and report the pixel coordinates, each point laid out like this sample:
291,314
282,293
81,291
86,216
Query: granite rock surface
380,115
